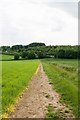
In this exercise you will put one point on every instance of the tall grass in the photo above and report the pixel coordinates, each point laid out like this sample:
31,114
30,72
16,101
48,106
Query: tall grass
65,82
15,78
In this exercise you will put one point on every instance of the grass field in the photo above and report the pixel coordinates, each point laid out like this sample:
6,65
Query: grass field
63,75
15,76
6,57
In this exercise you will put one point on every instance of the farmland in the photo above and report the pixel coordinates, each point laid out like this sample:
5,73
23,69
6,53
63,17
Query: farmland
15,77
63,75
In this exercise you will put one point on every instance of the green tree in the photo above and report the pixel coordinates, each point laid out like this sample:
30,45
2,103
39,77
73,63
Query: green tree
24,54
16,56
36,44
61,53
31,55
40,54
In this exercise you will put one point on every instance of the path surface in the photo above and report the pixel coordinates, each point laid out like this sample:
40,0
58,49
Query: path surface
36,99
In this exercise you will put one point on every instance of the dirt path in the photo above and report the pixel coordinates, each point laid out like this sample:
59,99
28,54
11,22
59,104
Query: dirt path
39,95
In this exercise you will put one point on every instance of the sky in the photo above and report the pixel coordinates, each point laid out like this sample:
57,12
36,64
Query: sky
54,22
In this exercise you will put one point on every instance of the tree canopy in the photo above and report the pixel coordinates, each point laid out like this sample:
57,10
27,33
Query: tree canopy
40,50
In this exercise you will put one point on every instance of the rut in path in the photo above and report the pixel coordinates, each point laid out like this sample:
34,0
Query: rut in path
34,102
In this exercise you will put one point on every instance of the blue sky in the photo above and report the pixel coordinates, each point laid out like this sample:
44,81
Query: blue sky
54,22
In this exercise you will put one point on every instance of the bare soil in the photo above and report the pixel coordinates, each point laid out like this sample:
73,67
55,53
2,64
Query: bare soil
35,100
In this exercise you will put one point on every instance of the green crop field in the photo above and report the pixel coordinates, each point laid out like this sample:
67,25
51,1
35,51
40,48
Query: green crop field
6,57
15,77
63,74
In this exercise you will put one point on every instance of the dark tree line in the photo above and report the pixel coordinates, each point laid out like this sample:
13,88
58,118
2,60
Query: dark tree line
67,53
40,50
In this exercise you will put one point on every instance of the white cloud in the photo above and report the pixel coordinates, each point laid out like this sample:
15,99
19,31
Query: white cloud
25,21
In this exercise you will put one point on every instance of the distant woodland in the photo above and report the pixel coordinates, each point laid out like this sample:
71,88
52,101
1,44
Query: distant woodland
40,50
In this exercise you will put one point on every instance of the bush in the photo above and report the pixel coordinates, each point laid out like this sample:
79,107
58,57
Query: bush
16,56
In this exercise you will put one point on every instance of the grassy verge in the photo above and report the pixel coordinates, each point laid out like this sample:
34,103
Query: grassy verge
68,62
15,77
54,115
64,81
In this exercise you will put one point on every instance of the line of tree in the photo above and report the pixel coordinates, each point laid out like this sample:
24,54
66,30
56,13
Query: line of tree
40,50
